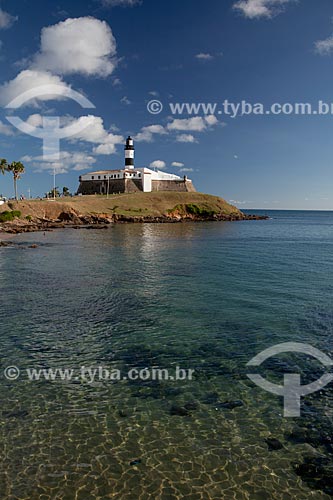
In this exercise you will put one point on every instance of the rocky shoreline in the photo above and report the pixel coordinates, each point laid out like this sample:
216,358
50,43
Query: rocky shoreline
70,219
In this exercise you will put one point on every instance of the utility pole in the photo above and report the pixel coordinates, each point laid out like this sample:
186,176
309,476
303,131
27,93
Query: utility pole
54,183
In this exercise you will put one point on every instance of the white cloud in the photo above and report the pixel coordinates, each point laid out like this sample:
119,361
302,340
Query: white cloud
186,138
325,47
195,124
186,170
211,120
117,82
5,129
89,129
254,9
177,164
81,45
204,56
6,20
125,100
108,146
121,3
29,79
35,120
154,93
68,161
105,149
147,133
237,202
159,164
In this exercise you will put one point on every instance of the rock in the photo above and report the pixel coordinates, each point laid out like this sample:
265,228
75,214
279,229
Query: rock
211,398
136,461
311,435
298,435
97,226
181,411
230,405
70,216
191,406
309,451
15,414
317,473
273,444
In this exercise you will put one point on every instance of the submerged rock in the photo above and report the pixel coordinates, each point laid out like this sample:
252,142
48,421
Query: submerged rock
273,444
136,462
230,405
298,435
211,398
191,406
317,473
122,414
181,411
312,435
15,414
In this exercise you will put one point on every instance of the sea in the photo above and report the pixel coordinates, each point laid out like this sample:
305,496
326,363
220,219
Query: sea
124,361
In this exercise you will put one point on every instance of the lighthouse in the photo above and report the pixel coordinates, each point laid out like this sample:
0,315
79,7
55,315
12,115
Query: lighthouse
128,179
129,153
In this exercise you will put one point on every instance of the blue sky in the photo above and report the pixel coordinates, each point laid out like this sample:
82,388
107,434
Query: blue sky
121,56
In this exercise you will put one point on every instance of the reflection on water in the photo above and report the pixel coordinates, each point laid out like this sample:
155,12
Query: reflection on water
201,296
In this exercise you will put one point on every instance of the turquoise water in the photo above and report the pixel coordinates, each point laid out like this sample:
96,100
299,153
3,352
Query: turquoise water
205,296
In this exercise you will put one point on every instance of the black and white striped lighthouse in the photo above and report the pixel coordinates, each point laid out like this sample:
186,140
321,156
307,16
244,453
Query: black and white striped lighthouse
129,153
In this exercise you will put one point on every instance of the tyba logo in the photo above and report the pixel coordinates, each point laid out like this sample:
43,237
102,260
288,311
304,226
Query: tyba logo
292,390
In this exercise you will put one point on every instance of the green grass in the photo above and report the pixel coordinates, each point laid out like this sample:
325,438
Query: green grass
154,204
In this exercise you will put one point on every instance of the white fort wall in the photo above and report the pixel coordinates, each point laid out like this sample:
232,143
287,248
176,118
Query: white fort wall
146,175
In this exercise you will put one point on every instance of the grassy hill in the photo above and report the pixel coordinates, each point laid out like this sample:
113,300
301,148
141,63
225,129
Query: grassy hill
137,204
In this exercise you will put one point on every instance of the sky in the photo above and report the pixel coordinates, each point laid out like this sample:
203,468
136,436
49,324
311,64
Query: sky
120,55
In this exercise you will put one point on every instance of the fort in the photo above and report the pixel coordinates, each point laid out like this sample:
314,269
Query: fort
130,179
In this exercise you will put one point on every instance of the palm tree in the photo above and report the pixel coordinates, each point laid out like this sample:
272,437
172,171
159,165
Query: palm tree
17,168
3,165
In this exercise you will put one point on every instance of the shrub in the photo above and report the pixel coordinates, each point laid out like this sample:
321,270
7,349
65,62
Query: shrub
6,216
193,209
9,216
